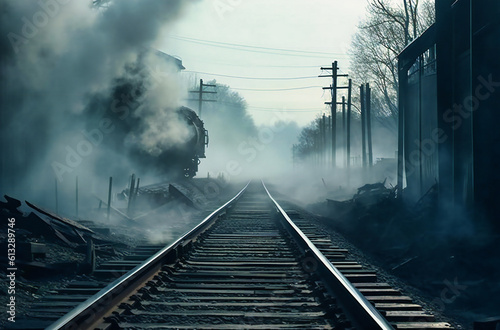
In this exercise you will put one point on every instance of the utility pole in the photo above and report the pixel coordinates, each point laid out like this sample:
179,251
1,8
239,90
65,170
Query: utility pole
369,123
363,124
200,92
348,145
320,142
323,140
333,106
343,129
334,113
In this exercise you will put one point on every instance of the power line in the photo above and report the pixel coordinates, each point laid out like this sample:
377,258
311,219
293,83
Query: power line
267,109
254,78
254,49
274,90
251,46
246,65
281,110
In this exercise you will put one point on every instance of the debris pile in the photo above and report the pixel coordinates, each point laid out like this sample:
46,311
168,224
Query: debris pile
373,194
47,243
366,199
430,246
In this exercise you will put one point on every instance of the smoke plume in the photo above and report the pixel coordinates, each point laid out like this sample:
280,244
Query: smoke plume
76,78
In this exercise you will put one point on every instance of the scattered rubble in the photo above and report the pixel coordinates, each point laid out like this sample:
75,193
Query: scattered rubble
432,250
49,251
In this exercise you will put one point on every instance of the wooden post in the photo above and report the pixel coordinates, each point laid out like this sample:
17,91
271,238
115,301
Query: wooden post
200,98
363,124
334,113
131,194
109,194
136,189
343,130
348,145
369,123
322,120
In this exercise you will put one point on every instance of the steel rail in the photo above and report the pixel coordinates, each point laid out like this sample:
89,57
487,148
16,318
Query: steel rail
89,312
358,309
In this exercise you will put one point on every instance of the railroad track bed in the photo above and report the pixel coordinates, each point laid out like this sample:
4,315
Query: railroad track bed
247,266
65,298
397,307
242,272
51,295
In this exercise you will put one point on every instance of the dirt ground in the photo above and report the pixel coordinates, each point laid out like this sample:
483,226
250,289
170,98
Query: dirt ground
451,261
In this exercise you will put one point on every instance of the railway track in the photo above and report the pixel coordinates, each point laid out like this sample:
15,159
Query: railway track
62,300
249,265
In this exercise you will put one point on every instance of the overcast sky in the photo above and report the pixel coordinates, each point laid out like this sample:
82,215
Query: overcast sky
209,39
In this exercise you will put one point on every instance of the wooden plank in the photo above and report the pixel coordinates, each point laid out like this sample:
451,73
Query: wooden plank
372,285
61,297
409,316
273,233
252,274
202,252
231,259
248,292
215,313
423,325
396,306
51,310
290,280
55,303
243,263
379,292
56,217
389,299
230,286
348,267
248,299
234,304
353,278
125,325
332,250
79,291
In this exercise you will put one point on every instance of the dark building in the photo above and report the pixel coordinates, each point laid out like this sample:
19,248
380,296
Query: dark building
449,106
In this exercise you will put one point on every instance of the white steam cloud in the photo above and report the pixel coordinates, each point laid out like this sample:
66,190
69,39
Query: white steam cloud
58,58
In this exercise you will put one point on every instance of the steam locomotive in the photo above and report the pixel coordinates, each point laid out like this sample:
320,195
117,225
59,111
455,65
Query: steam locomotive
132,115
194,149
180,160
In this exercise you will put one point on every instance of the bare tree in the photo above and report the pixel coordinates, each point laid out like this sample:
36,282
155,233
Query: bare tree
308,141
387,30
